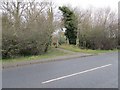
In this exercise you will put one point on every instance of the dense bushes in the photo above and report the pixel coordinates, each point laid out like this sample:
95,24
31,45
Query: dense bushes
97,41
98,29
25,42
28,36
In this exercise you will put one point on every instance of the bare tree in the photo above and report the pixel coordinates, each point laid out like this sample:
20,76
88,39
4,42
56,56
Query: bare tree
97,28
27,27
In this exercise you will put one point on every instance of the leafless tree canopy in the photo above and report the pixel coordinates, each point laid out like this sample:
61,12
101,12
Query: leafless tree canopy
27,28
98,28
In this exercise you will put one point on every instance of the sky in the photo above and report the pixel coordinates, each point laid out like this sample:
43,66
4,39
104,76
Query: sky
113,4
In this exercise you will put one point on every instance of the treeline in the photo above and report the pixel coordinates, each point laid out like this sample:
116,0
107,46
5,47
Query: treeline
26,28
98,29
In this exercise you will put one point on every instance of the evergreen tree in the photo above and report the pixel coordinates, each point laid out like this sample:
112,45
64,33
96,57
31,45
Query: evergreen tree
70,23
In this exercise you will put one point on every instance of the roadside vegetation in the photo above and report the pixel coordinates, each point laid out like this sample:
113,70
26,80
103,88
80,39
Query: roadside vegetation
76,49
27,30
52,53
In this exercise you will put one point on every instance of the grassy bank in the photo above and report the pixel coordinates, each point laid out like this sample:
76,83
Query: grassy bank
76,49
50,54
53,52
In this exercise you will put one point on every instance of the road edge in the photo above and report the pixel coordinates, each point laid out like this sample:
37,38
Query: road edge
18,64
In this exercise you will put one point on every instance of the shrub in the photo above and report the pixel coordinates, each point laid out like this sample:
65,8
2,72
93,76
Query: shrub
23,38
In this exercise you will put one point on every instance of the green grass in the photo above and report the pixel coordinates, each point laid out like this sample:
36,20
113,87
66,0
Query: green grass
0,61
53,52
76,49
50,54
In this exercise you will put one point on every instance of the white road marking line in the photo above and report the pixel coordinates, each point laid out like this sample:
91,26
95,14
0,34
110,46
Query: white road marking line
55,79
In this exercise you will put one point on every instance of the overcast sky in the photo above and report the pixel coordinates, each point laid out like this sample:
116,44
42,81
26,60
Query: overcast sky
113,4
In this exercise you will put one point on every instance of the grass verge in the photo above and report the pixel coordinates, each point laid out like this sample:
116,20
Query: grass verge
50,54
76,49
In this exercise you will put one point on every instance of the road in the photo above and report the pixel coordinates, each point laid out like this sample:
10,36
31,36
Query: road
100,71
